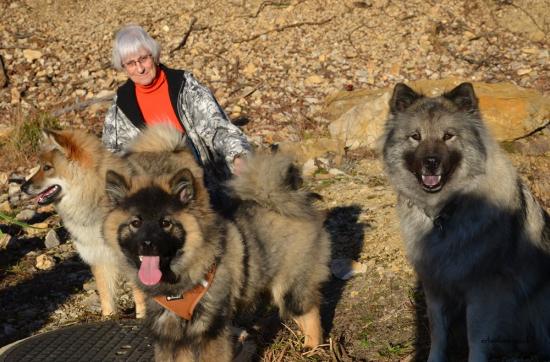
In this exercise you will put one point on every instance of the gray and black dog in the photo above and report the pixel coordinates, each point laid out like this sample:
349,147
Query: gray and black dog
477,238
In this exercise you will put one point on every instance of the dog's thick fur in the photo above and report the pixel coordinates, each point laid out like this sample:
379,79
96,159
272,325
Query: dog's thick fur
477,238
72,172
274,242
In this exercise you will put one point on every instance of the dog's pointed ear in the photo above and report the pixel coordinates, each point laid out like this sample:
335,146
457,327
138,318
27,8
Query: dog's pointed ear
61,141
54,139
116,187
463,96
183,185
402,98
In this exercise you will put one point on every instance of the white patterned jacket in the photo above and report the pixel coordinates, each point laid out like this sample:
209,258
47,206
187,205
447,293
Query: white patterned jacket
213,138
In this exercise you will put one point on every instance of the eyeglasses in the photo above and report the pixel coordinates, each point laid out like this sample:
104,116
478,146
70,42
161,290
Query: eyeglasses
132,64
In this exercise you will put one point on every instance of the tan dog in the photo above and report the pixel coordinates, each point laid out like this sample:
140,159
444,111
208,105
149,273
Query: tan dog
72,177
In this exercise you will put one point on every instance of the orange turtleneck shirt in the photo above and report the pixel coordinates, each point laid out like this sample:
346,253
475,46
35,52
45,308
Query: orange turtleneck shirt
154,102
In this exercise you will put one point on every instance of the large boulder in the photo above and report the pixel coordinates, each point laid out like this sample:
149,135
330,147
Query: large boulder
511,112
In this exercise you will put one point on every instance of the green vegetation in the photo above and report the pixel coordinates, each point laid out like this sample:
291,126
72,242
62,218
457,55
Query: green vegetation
395,349
364,339
28,133
11,220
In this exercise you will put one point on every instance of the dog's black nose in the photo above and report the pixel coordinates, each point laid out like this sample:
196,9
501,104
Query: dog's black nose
147,247
431,163
25,187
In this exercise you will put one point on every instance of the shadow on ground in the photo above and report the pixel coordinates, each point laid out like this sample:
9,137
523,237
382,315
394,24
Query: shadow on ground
346,235
19,246
51,287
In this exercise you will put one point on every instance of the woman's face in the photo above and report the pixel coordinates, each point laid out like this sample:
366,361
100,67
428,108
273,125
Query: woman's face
140,67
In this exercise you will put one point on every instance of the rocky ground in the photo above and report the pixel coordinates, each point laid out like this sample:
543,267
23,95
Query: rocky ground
271,65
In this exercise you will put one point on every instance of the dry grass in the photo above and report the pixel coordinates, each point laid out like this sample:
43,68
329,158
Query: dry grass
21,140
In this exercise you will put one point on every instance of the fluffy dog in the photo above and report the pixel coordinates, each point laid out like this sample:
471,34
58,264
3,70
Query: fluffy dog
199,268
477,238
72,172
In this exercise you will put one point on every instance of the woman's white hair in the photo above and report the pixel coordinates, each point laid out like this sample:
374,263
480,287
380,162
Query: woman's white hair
128,42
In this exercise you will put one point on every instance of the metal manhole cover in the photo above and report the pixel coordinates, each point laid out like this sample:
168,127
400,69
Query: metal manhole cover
117,341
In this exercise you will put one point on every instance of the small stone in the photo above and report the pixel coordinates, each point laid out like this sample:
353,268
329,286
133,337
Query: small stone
14,189
524,71
46,209
31,55
313,80
336,172
52,240
44,262
89,286
5,207
15,96
345,268
395,69
25,215
249,70
36,229
5,240
469,35
530,50
105,93
92,302
41,225
236,109
322,162
309,168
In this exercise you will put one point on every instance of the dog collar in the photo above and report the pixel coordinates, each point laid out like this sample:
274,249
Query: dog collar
184,304
440,218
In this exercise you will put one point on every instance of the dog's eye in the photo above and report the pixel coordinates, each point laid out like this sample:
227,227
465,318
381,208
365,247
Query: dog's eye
46,167
165,224
136,222
448,136
416,136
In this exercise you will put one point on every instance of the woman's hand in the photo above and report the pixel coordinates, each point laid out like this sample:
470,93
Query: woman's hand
239,163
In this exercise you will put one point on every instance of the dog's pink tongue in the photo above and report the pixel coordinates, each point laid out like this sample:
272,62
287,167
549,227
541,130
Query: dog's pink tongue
149,272
431,180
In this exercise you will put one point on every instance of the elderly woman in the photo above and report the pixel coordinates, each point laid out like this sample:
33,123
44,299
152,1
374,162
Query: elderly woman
155,93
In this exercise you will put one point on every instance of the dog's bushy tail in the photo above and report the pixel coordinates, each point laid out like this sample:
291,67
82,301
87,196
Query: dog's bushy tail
273,181
158,138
